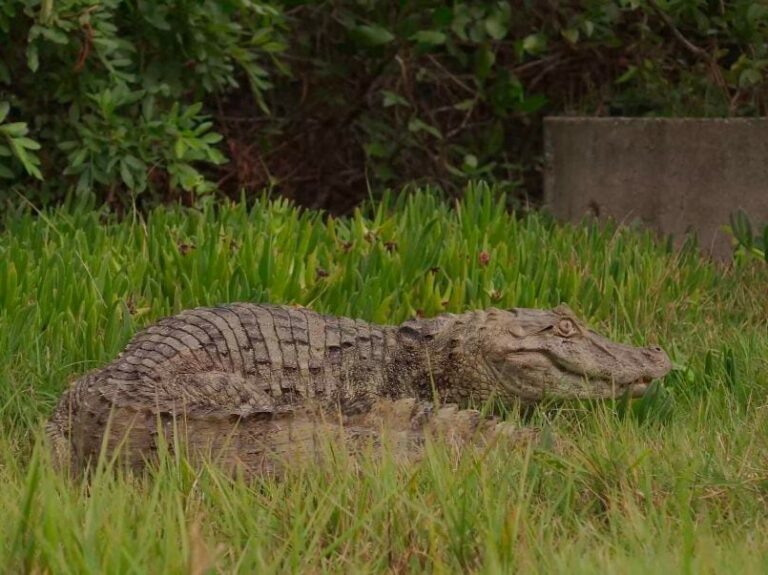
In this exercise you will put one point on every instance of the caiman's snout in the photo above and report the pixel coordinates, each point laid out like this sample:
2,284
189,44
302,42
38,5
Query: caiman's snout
657,364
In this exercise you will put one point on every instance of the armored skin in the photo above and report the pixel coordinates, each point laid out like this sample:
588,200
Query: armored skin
253,384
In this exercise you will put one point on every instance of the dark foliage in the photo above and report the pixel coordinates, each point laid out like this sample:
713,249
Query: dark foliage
323,100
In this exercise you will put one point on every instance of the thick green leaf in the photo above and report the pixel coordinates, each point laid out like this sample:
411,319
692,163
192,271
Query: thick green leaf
496,26
180,148
535,43
484,61
416,125
742,228
765,243
29,162
373,35
27,143
134,163
376,150
570,34
127,176
212,138
392,99
55,35
531,103
33,60
429,37
750,77
15,129
465,105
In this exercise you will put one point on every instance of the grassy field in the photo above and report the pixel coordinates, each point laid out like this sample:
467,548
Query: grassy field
676,482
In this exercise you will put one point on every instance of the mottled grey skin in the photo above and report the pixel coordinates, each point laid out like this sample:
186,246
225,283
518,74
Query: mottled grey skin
253,384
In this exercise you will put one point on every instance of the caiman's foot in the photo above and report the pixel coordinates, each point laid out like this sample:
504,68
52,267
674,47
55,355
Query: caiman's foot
510,432
460,427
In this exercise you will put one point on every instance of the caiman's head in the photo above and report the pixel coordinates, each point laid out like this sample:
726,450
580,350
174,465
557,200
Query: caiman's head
533,354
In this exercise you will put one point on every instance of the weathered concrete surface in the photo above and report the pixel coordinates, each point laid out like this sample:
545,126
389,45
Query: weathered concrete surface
674,175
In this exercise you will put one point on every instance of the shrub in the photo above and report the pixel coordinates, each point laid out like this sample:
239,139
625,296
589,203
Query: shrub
377,94
16,149
446,92
111,89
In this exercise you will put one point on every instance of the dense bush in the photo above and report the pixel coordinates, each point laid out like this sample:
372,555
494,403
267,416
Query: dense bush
111,88
321,99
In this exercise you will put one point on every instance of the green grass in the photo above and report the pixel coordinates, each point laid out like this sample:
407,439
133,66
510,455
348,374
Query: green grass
676,482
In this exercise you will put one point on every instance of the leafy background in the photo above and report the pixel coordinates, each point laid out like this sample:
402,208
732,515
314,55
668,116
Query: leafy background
138,101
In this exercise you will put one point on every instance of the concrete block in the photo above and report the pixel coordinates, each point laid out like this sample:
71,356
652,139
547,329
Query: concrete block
676,175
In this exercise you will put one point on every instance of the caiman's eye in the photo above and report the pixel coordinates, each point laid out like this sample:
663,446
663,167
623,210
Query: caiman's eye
565,328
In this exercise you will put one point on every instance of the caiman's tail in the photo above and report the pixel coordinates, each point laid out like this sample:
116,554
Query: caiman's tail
58,432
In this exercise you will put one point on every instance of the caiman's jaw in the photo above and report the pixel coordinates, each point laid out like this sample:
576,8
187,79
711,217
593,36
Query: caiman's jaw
638,387
566,383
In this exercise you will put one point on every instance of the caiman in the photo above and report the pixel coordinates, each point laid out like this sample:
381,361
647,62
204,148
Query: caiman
252,384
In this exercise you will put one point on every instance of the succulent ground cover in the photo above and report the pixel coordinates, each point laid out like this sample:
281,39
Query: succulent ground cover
677,481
